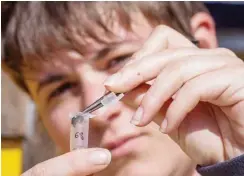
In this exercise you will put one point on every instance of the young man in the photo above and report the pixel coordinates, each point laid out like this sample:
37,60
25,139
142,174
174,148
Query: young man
63,53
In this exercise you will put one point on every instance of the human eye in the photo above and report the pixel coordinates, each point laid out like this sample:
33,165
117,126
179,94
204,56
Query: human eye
62,89
115,63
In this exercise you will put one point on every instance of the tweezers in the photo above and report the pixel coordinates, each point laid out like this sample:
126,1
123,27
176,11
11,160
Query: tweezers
108,98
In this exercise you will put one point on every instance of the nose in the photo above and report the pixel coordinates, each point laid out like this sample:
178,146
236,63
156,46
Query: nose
109,112
92,84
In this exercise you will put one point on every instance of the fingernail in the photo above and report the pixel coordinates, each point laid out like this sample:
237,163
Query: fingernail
136,119
100,157
164,126
112,79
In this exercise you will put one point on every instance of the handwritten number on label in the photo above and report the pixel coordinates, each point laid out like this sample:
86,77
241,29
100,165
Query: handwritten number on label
79,135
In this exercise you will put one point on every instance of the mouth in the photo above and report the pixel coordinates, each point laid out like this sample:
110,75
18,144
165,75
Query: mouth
124,145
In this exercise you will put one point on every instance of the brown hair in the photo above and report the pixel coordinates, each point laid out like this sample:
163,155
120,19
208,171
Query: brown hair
39,28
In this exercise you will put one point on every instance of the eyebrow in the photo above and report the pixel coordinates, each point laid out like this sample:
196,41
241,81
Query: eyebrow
50,79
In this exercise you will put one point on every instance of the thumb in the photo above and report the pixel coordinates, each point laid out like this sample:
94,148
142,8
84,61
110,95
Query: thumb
79,162
135,97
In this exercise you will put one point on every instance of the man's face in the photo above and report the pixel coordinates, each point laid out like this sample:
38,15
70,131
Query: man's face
74,81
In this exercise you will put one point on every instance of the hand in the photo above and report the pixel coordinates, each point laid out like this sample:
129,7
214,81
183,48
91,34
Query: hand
198,93
79,162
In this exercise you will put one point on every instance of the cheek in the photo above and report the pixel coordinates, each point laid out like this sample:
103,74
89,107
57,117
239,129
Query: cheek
57,121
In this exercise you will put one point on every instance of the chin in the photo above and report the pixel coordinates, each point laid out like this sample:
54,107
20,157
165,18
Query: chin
135,165
141,170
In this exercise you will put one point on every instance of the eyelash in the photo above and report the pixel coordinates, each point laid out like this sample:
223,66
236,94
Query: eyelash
118,60
62,88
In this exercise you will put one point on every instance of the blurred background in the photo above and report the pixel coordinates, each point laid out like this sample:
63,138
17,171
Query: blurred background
25,141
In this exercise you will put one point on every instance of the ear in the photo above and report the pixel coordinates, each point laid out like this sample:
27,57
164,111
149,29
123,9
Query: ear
203,29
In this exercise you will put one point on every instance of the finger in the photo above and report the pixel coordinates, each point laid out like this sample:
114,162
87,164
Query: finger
149,67
79,162
163,37
172,78
207,88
